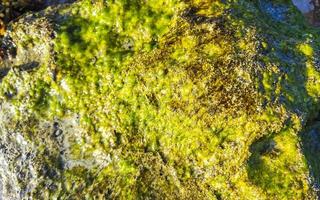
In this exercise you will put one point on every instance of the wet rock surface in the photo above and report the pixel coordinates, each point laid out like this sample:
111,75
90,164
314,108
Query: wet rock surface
311,148
10,10
277,12
160,100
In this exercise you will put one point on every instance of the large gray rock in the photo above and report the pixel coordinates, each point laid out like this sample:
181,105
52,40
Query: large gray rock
310,8
305,6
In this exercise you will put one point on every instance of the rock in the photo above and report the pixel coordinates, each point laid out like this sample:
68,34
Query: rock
305,6
310,8
158,100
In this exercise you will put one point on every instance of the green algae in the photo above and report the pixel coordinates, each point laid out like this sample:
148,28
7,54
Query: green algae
189,99
274,166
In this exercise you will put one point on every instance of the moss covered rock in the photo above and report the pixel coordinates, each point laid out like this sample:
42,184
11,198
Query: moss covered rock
161,99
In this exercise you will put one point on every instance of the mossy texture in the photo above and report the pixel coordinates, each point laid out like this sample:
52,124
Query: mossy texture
169,99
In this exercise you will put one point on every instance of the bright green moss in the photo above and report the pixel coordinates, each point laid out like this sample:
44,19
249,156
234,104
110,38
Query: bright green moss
187,104
274,164
306,49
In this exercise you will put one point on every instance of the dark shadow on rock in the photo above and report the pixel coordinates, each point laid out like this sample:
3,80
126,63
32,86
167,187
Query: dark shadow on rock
258,172
310,142
3,72
28,66
8,49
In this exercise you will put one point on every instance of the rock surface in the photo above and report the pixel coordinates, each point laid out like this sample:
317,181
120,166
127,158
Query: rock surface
161,99
305,6
310,8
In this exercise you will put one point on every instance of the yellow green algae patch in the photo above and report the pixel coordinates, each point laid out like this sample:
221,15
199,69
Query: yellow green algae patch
181,99
306,49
